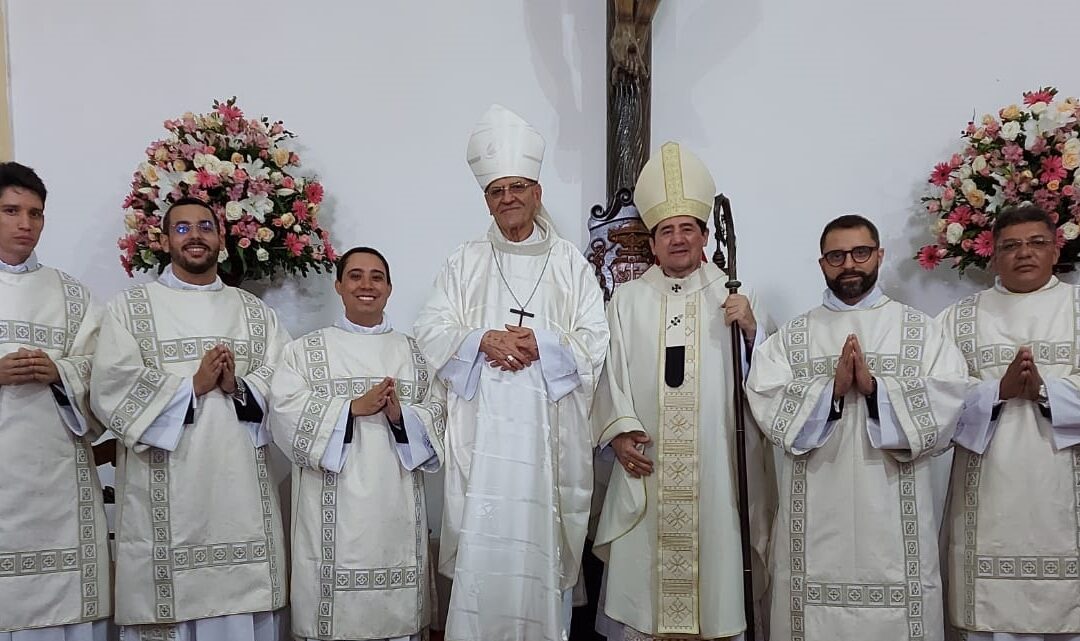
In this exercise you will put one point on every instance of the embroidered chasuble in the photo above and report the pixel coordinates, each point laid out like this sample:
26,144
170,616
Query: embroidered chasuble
518,444
671,539
1013,516
54,555
198,529
360,566
854,553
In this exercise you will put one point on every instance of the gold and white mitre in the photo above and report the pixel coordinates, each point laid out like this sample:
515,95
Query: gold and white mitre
674,183
502,144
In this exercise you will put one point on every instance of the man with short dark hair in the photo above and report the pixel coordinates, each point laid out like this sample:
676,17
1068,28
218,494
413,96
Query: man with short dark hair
859,393
181,378
1014,512
357,409
54,555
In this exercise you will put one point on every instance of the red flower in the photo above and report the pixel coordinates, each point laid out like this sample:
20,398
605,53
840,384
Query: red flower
205,179
295,244
961,214
299,209
940,175
1046,94
1052,169
984,244
229,112
314,193
929,257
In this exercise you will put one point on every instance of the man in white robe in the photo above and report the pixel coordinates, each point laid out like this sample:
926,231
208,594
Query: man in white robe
669,527
180,379
1014,502
515,326
858,392
357,409
54,555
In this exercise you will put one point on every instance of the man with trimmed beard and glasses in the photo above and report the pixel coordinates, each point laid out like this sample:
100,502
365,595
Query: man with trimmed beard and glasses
1014,509
361,415
54,548
858,392
181,379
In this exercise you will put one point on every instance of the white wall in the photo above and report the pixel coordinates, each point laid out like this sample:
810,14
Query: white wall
382,94
808,110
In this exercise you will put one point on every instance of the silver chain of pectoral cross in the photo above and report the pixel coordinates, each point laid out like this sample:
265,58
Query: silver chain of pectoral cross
521,308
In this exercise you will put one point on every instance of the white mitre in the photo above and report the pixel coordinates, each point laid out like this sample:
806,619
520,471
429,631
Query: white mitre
503,144
674,183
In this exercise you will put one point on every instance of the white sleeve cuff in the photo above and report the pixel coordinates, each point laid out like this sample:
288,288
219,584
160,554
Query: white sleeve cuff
557,364
885,433
337,450
759,338
259,432
70,414
417,453
165,432
462,371
1064,412
818,427
975,427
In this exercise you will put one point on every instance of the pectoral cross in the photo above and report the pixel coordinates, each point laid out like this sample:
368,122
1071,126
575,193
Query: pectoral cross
521,314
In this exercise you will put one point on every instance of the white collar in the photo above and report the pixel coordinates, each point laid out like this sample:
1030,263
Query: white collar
172,281
871,300
347,325
1002,289
28,265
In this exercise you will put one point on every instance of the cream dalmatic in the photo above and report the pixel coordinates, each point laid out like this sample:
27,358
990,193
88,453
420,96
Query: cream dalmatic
360,562
54,552
854,553
198,526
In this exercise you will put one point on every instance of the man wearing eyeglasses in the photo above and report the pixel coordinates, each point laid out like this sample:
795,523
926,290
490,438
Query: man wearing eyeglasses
1014,509
515,326
858,392
54,554
181,379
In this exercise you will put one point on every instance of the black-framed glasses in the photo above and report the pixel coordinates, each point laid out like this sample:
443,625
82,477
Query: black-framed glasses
859,254
515,189
1013,245
205,226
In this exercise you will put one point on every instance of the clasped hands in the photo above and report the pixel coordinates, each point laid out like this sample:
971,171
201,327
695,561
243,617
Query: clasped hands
380,398
512,350
217,369
852,371
28,366
1022,378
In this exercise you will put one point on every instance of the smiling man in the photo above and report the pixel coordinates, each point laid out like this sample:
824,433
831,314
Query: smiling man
859,392
1014,515
669,527
515,325
54,554
181,380
361,415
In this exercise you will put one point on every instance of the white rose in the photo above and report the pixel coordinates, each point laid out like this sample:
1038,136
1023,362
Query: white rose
297,228
965,171
262,255
1010,130
953,233
285,192
190,177
276,177
939,226
233,210
968,186
1038,108
978,164
1070,230
223,256
225,168
203,160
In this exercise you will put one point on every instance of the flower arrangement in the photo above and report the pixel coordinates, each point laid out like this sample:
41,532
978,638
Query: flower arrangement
244,171
1024,155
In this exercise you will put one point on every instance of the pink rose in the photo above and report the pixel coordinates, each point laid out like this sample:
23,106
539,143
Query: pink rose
243,243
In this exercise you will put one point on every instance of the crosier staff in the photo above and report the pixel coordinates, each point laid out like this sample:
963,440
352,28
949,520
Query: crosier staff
724,257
